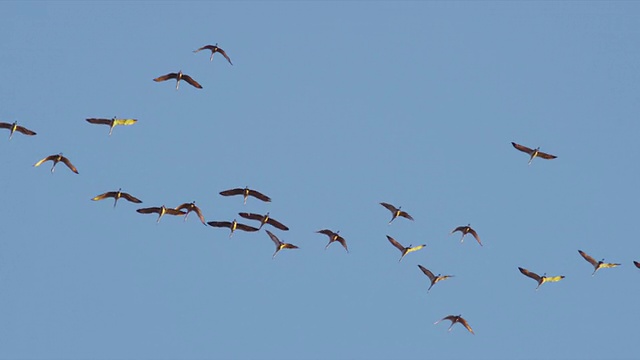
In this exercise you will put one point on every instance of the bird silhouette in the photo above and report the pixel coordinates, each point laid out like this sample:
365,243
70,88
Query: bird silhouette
246,192
533,152
179,76
334,236
191,207
233,226
264,219
540,279
597,265
279,244
467,230
433,278
56,159
396,212
111,122
404,250
117,195
456,319
214,49
15,127
161,211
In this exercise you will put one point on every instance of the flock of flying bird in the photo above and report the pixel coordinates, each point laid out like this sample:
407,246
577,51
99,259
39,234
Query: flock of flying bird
186,208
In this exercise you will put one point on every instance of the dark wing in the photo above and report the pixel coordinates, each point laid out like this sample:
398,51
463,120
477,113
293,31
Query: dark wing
190,80
404,214
465,323
24,130
277,224
105,195
591,260
231,192
69,164
251,216
530,274
427,272
50,157
206,47
545,155
225,55
184,206
459,228
475,235
259,195
289,246
274,238
226,224
389,207
327,232
637,264
131,198
99,121
522,148
199,213
342,241
395,243
150,210
4,125
166,77
171,211
244,227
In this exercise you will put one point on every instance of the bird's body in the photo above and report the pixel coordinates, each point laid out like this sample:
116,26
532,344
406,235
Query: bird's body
111,122
264,219
597,265
467,230
191,207
395,212
404,250
117,195
540,279
161,211
214,49
233,226
279,244
179,76
13,127
246,192
433,278
56,159
456,319
334,236
533,153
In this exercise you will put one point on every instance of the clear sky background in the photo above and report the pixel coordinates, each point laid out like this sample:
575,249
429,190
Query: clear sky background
329,109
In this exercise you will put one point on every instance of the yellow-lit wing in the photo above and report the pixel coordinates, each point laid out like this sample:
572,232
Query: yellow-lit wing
553,278
415,248
125,121
609,265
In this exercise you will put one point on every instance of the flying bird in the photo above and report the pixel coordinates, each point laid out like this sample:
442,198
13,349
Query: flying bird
111,122
540,279
533,152
396,212
233,226
637,264
279,244
434,278
334,236
15,127
404,250
161,211
596,264
55,159
117,195
191,207
246,192
467,230
214,49
179,76
456,319
264,219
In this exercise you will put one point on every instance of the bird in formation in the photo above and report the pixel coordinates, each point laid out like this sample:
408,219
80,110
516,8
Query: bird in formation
396,212
456,319
179,76
264,219
233,226
214,49
533,152
191,207
111,122
467,230
56,159
246,192
334,236
540,279
15,127
433,278
597,265
117,195
404,250
161,211
279,244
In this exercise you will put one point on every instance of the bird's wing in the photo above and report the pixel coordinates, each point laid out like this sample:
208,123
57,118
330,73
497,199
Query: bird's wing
259,195
99,121
105,195
199,213
274,238
251,216
466,324
554,278
150,210
231,192
289,246
171,211
591,260
546,156
69,164
406,215
183,206
226,224
637,264
4,125
125,121
522,148
342,241
190,80
166,77
459,228
327,232
389,207
530,274
415,248
244,227
206,47
225,55
427,272
475,235
24,130
131,198
277,224
395,243
50,157
609,265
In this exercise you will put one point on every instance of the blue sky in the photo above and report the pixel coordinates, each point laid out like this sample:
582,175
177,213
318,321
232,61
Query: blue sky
329,109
